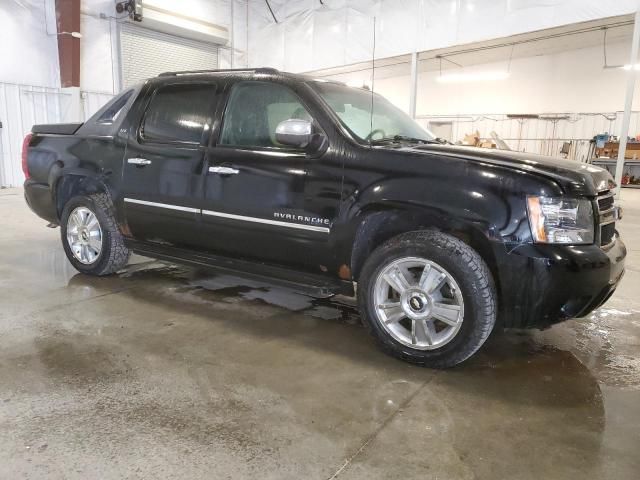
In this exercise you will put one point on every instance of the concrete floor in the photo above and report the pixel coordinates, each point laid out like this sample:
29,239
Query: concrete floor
166,372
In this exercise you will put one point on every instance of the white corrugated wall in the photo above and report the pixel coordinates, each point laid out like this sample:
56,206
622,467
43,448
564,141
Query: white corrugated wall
93,101
22,106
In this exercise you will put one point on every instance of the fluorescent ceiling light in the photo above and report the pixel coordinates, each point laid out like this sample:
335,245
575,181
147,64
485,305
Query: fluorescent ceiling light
358,84
628,67
472,77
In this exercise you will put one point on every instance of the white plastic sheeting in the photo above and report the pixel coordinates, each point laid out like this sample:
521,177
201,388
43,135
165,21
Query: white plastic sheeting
310,35
28,42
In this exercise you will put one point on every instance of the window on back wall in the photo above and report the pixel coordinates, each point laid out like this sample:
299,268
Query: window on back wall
179,114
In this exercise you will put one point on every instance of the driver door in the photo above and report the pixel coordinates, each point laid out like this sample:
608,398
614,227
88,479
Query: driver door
254,193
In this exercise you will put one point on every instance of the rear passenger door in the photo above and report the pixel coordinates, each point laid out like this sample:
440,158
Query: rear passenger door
164,160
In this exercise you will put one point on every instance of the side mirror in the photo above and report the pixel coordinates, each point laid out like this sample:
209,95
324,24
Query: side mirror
294,132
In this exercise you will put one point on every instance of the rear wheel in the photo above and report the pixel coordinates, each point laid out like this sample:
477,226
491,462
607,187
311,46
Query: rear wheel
427,298
90,237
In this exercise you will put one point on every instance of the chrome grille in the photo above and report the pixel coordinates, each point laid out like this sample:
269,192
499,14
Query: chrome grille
605,202
607,215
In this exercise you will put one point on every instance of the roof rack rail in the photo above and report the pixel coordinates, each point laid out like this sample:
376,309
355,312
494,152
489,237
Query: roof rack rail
221,70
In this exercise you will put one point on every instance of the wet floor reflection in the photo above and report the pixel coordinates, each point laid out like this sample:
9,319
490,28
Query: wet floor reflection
551,395
520,387
183,287
162,359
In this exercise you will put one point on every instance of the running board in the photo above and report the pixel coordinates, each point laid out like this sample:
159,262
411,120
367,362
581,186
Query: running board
314,285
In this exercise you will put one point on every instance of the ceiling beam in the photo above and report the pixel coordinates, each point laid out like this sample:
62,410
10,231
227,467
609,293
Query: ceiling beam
272,14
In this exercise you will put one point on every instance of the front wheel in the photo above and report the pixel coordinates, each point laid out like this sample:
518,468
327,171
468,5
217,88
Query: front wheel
427,298
90,236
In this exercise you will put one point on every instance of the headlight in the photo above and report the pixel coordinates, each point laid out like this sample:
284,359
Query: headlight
561,220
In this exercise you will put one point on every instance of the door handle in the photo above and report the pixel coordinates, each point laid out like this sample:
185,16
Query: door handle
224,170
139,161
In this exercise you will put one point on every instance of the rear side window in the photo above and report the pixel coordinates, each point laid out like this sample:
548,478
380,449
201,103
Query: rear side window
178,114
113,111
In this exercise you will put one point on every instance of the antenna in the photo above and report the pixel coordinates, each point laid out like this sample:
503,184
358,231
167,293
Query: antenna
373,76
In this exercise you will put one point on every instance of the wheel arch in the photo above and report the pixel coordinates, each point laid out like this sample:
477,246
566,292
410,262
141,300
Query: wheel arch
70,183
378,223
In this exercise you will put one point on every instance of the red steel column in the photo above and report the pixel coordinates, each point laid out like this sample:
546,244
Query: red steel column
68,20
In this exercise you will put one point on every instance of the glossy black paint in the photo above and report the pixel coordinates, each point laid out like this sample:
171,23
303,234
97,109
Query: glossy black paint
366,195
174,177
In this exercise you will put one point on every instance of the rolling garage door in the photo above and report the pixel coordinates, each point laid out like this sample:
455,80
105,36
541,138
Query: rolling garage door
146,53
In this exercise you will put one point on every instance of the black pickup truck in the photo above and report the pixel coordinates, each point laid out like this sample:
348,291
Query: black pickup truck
332,190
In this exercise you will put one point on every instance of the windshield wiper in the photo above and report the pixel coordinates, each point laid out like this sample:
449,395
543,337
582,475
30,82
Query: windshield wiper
402,138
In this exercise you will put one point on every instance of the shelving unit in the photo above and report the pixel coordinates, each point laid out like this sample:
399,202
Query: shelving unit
632,167
610,150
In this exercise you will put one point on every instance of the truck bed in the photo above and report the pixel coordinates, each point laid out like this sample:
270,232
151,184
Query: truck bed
57,128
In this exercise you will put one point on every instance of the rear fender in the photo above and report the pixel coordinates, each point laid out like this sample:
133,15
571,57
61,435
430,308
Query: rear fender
70,182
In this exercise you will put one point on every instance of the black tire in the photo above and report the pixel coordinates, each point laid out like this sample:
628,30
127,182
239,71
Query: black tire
114,255
470,273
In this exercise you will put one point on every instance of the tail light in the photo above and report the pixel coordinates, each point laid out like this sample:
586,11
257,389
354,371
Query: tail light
25,148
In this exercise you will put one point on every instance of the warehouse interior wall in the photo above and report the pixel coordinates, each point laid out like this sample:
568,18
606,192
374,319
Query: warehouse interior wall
568,81
305,35
30,90
100,31
571,91
31,25
28,43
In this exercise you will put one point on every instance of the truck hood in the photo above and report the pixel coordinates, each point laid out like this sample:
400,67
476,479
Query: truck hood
574,177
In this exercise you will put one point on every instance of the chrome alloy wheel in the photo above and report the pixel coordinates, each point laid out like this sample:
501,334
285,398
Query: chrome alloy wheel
84,235
418,303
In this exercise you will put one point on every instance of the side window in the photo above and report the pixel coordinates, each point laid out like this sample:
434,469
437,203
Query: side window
113,110
254,111
178,113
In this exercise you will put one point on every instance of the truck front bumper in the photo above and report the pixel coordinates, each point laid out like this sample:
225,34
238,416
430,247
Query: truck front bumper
544,284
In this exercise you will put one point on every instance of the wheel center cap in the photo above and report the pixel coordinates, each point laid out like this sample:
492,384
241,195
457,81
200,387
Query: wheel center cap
84,235
416,303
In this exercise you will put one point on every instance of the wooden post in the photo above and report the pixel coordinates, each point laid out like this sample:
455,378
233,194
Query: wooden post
68,22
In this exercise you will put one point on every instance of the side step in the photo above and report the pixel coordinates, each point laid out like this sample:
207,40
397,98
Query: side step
314,285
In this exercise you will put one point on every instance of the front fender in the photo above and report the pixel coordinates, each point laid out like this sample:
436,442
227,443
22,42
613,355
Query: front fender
377,223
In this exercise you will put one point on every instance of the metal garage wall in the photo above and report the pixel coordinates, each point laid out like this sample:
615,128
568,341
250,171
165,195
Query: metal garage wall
146,53
22,106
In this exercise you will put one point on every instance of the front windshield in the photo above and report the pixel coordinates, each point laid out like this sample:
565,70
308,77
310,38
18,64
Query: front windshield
353,107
